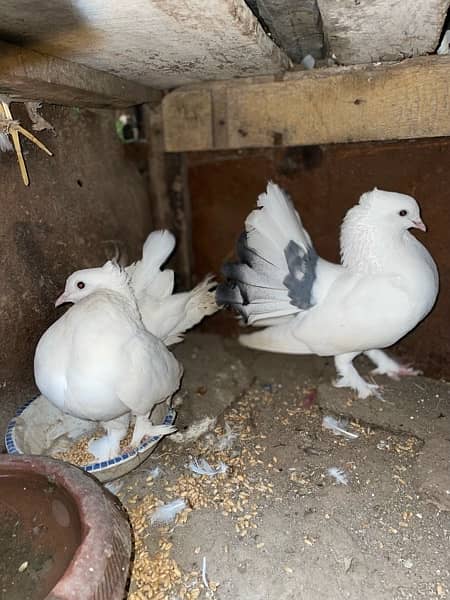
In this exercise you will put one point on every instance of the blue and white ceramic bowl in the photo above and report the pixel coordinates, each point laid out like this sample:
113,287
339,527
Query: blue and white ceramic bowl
41,428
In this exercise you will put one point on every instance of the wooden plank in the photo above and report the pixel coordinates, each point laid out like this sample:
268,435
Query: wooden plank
366,31
295,26
398,101
169,196
28,75
194,110
160,43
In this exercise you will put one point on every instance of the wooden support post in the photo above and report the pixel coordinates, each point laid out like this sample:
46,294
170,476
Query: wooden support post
169,196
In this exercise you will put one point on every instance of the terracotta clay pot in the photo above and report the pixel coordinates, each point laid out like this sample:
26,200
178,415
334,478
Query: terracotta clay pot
62,535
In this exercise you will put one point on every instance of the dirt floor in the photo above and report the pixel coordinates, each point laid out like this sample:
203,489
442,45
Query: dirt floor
276,525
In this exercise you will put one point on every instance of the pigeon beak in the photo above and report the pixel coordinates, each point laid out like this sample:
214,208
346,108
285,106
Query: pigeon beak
61,300
420,225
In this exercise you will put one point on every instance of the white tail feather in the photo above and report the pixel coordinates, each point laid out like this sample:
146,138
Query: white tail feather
201,302
275,273
273,225
169,316
157,248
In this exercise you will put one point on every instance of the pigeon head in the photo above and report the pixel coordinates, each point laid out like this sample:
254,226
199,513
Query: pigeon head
391,210
87,281
369,229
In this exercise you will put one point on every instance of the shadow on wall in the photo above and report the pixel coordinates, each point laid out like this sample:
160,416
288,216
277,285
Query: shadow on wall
324,183
49,28
52,22
71,217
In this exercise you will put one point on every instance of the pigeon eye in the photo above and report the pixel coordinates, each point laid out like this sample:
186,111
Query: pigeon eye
403,213
80,285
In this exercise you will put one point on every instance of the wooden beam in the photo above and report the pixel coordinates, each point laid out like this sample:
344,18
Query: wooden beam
27,75
410,99
160,43
381,30
169,196
295,26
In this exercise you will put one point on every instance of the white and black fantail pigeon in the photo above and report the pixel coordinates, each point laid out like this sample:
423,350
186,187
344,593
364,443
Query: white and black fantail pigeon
98,362
386,284
165,314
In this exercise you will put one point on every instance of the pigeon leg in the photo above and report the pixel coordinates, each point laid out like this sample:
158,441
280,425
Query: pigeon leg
349,376
385,365
108,446
144,428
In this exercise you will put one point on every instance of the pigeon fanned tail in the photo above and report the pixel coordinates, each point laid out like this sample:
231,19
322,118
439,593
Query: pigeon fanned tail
190,308
165,314
275,273
170,316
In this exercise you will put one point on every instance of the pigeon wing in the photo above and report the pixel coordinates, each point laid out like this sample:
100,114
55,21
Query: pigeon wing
151,373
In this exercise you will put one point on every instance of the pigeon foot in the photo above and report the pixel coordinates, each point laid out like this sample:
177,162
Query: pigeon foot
349,377
400,371
361,387
104,448
385,365
108,446
144,429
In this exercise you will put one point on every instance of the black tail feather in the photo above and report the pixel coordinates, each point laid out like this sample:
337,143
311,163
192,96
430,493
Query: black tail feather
229,295
302,274
254,286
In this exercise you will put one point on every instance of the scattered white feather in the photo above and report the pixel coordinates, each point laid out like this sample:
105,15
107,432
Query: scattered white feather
155,473
308,62
444,45
5,143
338,427
226,441
204,578
114,486
338,475
200,466
167,512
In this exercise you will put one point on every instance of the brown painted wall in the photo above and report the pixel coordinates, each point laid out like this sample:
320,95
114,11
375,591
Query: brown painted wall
90,192
325,182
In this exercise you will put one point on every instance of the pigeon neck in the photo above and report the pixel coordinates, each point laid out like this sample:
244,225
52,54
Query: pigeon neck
365,249
124,290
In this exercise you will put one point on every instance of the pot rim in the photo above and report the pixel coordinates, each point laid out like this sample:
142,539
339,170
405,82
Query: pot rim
105,529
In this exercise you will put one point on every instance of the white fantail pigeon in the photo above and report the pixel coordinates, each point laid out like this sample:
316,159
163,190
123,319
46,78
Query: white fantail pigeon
165,314
98,361
386,284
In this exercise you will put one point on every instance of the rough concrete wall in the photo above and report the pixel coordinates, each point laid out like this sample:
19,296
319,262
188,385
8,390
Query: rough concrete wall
325,182
92,190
